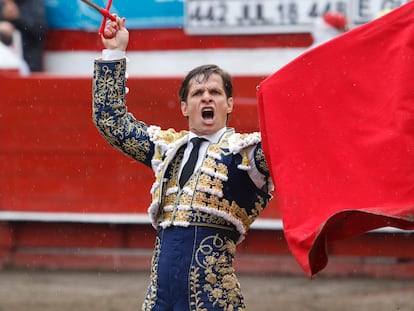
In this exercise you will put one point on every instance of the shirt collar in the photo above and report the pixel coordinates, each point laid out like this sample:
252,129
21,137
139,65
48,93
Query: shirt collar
213,138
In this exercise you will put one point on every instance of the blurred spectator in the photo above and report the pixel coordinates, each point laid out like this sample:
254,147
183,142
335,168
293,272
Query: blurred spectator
28,17
6,33
329,26
10,55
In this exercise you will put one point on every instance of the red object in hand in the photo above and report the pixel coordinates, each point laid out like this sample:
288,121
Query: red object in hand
106,14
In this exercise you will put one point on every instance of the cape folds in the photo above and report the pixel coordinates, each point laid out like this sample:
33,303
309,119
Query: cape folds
337,126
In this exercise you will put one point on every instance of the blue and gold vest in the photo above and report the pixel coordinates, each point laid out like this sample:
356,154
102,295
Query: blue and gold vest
221,187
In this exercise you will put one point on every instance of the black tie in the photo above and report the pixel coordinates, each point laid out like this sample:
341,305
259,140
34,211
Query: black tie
189,166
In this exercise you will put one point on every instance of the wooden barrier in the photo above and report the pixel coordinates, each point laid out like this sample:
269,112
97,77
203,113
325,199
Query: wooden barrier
54,164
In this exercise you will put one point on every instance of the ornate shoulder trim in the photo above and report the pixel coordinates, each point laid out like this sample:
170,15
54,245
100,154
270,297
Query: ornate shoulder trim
164,138
165,141
237,141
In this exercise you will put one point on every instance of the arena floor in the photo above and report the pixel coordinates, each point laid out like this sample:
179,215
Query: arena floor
26,290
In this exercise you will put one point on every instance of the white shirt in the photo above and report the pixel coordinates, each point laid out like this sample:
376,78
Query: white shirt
112,54
214,138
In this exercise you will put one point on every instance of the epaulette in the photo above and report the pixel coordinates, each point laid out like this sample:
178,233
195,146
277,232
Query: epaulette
164,141
238,142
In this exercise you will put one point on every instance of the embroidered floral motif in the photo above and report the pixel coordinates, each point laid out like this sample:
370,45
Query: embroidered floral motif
151,296
195,292
258,208
259,158
213,186
136,147
110,113
214,151
213,268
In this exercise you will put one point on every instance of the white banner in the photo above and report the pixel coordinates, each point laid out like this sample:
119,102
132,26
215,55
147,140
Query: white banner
275,16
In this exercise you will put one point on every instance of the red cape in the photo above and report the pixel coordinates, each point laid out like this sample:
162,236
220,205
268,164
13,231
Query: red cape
337,127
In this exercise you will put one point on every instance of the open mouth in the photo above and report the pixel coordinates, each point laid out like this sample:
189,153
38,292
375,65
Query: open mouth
207,114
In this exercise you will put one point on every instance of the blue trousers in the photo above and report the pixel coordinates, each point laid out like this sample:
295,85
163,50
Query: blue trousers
192,269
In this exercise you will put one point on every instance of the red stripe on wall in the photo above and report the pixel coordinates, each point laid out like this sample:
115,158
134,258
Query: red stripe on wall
172,39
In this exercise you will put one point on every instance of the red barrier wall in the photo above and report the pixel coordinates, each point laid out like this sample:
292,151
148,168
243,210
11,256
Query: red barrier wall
53,159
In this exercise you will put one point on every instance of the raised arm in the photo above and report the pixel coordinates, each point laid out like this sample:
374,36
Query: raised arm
110,114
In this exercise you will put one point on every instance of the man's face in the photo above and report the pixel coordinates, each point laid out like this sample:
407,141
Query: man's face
207,105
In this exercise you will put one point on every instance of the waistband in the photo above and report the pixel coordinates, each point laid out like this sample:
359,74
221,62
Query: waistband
216,223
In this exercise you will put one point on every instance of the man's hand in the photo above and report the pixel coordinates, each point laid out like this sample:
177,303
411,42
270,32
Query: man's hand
116,36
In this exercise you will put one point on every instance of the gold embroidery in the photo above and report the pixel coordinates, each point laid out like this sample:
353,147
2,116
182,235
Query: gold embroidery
170,199
209,163
110,114
195,291
222,169
157,154
185,199
204,218
166,216
258,208
260,158
136,147
181,216
203,192
245,160
151,296
204,180
216,184
214,202
215,148
170,190
215,256
169,136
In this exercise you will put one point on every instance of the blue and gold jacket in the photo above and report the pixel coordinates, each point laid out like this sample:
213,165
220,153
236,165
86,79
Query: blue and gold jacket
220,190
